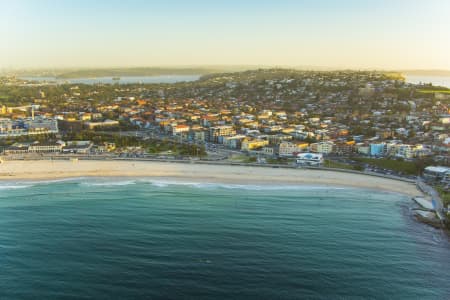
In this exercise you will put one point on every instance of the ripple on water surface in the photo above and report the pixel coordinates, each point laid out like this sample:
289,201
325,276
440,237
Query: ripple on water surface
134,238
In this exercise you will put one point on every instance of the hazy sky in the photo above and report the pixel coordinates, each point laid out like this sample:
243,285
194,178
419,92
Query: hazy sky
390,34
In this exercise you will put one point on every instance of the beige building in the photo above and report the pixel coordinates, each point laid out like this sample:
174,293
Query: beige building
287,149
322,147
45,147
215,133
248,144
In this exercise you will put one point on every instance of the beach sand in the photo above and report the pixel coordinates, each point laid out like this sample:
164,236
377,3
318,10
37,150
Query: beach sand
45,170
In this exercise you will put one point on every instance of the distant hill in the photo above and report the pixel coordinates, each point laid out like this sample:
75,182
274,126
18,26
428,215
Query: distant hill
127,71
68,73
135,72
427,72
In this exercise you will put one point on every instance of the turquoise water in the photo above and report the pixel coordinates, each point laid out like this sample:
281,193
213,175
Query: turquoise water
137,238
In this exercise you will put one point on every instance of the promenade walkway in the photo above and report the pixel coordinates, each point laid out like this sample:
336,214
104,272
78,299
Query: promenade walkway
435,198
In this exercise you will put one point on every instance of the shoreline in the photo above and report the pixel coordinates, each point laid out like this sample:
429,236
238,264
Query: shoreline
41,170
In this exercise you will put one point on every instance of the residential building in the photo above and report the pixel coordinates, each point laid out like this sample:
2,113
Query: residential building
220,131
251,144
322,147
286,149
377,149
233,142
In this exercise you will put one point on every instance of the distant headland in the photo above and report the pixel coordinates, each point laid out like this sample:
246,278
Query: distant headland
70,73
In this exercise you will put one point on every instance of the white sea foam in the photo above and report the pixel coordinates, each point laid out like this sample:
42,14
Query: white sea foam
160,184
213,185
32,183
109,183
14,187
164,183
51,181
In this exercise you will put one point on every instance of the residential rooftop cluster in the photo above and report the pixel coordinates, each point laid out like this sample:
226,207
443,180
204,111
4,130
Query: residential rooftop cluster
272,112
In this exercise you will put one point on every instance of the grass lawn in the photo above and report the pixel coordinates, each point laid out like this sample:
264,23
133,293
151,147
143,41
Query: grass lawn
406,167
444,195
239,158
434,91
337,165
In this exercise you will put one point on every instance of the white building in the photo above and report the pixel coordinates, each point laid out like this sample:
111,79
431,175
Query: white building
310,159
105,123
46,147
436,173
28,126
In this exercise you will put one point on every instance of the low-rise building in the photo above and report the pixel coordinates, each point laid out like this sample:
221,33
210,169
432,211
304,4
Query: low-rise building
269,151
437,173
78,147
310,159
40,147
251,144
106,123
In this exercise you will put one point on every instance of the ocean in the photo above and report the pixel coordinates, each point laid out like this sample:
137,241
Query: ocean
110,80
123,238
435,80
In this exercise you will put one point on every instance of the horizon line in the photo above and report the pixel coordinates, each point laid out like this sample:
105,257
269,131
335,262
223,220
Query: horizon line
224,66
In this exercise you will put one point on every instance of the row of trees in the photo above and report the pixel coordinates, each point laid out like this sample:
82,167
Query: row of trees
152,146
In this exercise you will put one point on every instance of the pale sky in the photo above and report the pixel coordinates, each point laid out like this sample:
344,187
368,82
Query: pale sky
378,34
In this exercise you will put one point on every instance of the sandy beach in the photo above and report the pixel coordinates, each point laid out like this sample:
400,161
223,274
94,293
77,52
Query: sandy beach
45,170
